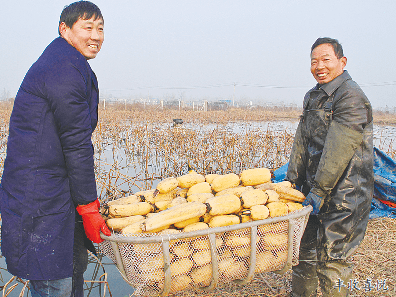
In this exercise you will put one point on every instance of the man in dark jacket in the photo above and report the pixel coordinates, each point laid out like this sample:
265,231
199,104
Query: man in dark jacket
49,167
332,163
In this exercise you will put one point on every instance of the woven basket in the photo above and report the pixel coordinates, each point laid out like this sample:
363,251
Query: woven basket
158,265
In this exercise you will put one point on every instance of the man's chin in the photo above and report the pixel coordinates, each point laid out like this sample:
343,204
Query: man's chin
321,81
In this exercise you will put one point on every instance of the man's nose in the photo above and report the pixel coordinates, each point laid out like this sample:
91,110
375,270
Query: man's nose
95,35
320,65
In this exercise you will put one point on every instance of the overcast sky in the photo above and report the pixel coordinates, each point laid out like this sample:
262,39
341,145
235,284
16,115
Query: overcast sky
207,49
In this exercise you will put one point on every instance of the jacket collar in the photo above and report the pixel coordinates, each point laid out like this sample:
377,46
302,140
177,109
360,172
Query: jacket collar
333,85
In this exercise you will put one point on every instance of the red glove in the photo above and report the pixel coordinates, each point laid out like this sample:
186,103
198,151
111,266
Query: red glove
93,221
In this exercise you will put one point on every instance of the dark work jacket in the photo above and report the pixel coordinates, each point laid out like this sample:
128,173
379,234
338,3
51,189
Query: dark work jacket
332,156
49,167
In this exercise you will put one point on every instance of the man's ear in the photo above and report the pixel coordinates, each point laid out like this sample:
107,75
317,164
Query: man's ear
62,29
344,62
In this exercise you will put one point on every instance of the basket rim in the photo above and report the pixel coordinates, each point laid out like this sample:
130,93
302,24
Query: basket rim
138,239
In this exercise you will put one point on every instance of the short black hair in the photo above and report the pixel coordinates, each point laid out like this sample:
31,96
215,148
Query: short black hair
80,9
333,42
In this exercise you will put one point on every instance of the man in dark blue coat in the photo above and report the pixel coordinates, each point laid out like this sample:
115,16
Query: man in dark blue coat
49,168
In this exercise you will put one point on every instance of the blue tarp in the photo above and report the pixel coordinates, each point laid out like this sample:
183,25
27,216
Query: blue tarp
384,200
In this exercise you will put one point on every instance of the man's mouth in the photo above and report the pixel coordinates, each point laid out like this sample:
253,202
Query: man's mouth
93,46
321,75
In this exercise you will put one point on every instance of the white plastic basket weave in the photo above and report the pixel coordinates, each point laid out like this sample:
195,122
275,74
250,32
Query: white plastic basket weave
158,265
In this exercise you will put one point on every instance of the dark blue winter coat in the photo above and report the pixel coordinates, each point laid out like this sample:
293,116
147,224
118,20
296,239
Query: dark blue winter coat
49,167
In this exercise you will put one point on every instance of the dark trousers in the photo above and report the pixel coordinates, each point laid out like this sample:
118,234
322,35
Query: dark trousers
80,260
312,270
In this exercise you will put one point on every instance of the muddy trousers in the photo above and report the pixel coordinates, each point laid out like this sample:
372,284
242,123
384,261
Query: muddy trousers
332,276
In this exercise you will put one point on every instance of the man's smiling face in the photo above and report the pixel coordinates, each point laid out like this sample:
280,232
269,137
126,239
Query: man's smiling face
85,35
325,66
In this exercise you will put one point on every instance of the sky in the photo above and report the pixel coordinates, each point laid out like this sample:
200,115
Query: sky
212,49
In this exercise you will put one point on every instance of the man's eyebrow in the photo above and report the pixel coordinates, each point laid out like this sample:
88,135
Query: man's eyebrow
325,55
89,21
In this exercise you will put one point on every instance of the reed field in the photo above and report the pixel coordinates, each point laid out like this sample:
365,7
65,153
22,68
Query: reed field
153,149
136,146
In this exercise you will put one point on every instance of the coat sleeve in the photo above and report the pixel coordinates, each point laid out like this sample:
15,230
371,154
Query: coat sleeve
68,99
352,113
296,168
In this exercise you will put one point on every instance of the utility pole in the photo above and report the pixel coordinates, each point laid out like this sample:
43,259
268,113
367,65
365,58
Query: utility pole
233,96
